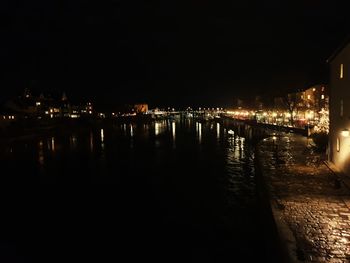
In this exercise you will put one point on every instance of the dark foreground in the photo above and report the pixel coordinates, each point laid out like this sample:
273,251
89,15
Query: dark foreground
164,193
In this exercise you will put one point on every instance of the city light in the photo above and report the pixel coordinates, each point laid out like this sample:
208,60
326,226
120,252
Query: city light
102,135
345,133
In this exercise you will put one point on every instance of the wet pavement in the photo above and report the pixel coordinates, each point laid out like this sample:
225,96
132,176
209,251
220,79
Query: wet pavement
308,199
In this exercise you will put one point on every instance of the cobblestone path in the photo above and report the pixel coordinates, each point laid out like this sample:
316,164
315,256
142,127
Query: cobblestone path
313,204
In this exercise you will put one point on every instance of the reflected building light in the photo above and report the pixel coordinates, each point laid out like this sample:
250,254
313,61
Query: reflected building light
156,128
102,135
91,141
173,128
102,139
200,132
53,144
74,141
131,131
41,158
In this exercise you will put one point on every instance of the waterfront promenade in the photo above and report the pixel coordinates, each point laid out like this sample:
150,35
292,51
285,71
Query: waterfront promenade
310,206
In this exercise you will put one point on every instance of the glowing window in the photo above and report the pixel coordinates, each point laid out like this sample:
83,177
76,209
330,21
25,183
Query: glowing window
341,108
322,96
341,71
338,145
308,97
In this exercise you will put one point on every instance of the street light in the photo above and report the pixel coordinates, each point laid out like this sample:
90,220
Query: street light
345,133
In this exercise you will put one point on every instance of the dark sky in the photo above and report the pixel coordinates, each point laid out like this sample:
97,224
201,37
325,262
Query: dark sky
164,52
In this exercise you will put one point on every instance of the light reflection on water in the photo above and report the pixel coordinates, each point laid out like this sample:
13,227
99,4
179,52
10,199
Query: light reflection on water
102,140
41,157
73,141
218,131
182,136
203,184
199,131
91,141
173,130
53,144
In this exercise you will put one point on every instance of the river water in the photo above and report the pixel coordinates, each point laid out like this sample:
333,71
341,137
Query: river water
168,191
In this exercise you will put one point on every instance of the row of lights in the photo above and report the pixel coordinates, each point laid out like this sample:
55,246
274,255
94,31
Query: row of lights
9,117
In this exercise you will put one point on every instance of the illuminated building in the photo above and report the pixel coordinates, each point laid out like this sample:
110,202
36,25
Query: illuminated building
339,140
141,108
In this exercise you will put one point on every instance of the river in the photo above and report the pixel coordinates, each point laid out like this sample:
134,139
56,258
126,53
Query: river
168,191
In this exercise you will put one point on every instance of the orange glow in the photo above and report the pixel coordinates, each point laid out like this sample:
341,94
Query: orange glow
345,133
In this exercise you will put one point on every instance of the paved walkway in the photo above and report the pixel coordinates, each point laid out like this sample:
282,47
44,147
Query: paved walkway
307,200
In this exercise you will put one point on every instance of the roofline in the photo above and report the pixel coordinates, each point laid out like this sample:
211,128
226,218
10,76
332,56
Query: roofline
339,49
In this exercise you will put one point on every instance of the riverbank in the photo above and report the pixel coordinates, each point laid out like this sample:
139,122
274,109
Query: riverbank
307,201
273,127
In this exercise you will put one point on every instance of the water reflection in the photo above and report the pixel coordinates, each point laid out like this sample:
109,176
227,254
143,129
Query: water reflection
131,131
102,135
41,156
240,169
173,129
73,141
156,128
91,141
53,148
200,132
160,127
102,139
218,130
124,129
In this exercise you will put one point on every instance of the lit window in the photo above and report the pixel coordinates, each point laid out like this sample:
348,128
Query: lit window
338,145
341,71
314,89
341,108
322,97
38,103
308,97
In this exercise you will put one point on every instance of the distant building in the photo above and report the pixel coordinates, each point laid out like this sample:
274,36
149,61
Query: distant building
141,108
7,117
339,140
28,106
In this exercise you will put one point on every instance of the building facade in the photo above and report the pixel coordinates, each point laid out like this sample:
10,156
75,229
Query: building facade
339,139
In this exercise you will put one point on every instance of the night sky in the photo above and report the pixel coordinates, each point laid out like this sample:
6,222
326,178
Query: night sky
166,53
